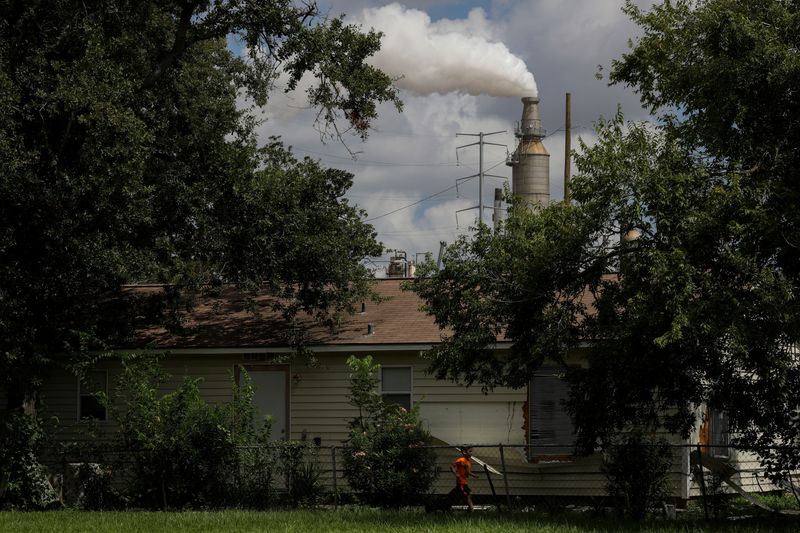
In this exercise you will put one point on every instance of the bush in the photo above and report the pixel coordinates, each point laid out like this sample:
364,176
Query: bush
95,489
298,463
253,487
181,451
23,480
636,470
385,461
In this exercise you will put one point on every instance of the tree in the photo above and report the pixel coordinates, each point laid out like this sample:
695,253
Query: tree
127,157
677,262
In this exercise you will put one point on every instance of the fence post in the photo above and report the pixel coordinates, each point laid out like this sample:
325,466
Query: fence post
491,486
333,472
702,480
505,476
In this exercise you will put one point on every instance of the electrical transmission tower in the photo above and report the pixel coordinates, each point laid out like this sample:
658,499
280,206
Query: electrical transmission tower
481,174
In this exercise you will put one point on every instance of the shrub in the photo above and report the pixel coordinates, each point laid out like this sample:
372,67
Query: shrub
385,461
636,470
95,489
23,480
298,463
252,486
182,451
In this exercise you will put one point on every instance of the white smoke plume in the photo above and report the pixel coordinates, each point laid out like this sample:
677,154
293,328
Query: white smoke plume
445,56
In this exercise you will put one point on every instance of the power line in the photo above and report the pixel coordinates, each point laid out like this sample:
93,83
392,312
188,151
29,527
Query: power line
351,161
412,205
391,198
418,232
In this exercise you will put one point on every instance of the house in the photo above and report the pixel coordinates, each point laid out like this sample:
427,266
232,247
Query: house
310,401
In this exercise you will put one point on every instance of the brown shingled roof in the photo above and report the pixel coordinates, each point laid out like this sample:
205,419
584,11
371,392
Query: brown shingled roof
224,322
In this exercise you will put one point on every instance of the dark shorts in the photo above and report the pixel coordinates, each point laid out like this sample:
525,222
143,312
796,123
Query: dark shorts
464,489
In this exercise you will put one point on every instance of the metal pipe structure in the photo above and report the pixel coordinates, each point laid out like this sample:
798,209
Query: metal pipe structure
497,205
567,147
530,162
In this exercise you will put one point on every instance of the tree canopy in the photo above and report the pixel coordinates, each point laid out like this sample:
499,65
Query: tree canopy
675,266
130,155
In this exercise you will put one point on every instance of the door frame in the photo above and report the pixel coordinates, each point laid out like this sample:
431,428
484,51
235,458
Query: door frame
261,367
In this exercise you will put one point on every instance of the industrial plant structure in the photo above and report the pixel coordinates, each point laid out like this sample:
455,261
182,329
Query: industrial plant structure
530,162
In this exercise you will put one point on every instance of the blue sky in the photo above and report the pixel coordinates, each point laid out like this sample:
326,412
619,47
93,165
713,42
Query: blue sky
411,156
455,10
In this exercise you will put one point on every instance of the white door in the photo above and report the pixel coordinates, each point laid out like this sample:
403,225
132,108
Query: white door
270,395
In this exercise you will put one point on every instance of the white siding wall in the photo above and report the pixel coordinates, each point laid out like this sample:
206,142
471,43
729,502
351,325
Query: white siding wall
319,408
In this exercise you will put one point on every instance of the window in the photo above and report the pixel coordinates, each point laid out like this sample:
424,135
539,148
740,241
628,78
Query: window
718,426
89,407
551,432
396,385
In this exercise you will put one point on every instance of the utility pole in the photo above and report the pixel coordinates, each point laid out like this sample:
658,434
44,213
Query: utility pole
481,174
567,148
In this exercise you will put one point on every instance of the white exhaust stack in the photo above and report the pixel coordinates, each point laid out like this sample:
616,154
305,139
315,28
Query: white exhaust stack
530,162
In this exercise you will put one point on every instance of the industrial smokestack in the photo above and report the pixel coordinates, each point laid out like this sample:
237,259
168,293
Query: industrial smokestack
530,162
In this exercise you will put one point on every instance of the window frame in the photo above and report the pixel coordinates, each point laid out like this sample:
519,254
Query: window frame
543,457
410,392
81,395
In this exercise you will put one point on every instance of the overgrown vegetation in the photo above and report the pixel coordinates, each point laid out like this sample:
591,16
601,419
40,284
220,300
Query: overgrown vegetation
176,450
385,461
180,449
23,480
637,469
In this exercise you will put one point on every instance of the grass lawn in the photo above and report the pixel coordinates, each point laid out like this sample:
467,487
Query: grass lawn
366,521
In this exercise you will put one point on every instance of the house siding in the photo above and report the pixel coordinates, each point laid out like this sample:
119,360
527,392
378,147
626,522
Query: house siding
319,408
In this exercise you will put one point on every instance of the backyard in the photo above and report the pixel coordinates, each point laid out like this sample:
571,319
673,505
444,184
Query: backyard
365,520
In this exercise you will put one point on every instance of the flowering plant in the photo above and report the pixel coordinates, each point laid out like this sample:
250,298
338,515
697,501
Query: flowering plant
385,460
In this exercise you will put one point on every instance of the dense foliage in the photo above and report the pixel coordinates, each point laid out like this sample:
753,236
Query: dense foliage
637,471
676,267
130,155
385,461
176,450
23,481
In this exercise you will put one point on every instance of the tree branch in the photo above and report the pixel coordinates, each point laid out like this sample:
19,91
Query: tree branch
178,46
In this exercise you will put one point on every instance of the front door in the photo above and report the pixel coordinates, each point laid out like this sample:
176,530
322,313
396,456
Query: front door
271,395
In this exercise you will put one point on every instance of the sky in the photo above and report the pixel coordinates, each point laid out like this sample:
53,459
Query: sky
462,68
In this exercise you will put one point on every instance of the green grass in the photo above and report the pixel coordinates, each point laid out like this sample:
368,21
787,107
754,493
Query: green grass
366,521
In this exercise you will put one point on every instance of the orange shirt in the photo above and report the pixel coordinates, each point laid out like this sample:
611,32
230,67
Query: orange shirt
463,467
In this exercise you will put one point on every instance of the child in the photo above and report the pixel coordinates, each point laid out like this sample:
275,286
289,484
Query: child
462,468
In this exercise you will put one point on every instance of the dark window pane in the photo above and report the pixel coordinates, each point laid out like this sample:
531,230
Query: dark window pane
94,381
403,400
91,409
396,380
719,433
551,429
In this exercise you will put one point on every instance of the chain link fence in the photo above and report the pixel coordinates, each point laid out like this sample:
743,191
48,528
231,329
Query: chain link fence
509,477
